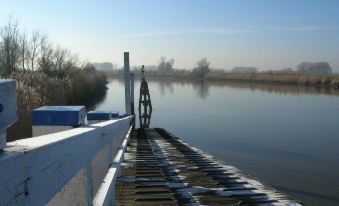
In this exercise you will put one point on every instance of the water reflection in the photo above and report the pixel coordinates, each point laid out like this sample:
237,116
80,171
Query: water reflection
283,135
275,88
145,119
166,85
202,87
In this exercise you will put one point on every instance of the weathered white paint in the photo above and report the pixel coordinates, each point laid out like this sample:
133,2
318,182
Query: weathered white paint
94,121
127,83
106,192
74,192
33,170
39,130
100,164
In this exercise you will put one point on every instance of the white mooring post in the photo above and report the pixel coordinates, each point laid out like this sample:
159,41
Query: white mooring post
8,108
127,83
132,93
52,119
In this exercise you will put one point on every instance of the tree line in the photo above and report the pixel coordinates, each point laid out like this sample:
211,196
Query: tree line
46,74
20,51
165,67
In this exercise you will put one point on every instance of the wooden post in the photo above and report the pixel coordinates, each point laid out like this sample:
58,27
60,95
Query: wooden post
127,83
132,93
144,101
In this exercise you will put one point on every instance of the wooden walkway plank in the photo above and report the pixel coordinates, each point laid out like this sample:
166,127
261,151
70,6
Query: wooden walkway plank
164,170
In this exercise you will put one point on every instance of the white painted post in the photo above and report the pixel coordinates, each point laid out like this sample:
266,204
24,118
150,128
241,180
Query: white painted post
132,93
52,119
8,108
127,83
88,170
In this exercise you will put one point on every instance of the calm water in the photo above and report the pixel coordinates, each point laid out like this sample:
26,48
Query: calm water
285,136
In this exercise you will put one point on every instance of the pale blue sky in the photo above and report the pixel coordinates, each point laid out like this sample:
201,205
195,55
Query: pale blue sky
268,34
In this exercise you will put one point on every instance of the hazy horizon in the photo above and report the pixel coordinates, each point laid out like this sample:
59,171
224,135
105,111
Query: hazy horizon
269,35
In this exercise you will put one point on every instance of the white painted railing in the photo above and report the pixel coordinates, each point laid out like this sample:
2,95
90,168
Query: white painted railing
73,167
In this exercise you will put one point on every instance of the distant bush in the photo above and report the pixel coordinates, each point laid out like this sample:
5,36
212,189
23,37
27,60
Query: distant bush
84,85
315,68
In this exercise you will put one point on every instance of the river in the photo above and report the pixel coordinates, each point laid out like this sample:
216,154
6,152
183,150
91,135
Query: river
286,136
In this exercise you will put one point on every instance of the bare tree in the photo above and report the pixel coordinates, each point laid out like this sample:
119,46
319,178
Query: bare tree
203,68
36,42
23,51
9,47
320,68
60,58
46,60
165,66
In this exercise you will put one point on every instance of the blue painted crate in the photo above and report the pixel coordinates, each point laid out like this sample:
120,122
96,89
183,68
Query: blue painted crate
59,115
123,115
99,115
115,115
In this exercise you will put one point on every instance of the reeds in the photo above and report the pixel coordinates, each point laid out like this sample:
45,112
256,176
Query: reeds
36,89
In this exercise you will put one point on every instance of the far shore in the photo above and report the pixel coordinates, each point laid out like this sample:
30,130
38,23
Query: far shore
277,78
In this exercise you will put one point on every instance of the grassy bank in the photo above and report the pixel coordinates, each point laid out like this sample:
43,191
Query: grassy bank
278,78
295,79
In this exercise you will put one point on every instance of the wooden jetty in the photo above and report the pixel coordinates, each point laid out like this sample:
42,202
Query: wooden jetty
105,161
161,169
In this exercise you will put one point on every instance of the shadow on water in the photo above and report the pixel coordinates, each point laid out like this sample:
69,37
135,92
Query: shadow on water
145,119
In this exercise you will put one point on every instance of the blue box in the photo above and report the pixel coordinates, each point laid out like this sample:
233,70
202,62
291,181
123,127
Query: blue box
98,115
59,115
115,115
123,115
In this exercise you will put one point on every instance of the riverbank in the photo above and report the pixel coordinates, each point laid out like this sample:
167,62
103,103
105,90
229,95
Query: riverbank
278,78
